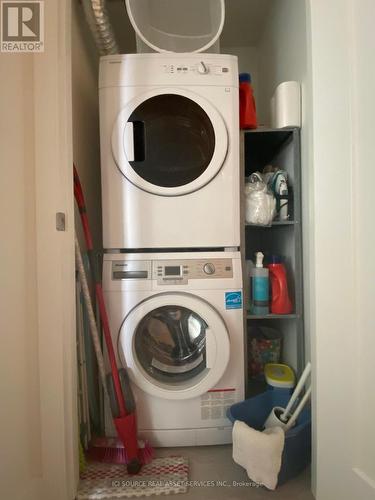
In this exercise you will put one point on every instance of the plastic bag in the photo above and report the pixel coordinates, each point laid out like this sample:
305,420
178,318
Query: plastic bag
260,203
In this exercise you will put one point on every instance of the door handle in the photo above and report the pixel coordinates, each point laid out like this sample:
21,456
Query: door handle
210,349
134,141
129,141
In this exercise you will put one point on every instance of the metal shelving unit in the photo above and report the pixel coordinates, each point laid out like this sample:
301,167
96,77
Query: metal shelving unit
275,223
278,147
274,316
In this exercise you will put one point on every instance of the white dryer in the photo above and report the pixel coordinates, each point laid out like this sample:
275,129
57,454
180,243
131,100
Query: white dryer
169,151
177,322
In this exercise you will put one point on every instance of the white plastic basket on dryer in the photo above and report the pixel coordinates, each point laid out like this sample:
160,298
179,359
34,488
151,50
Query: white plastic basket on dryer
177,25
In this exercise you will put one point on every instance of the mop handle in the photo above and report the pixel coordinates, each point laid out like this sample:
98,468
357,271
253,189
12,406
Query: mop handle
90,313
298,410
80,199
297,390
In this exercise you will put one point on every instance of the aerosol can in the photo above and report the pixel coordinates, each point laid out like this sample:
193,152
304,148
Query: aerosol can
279,186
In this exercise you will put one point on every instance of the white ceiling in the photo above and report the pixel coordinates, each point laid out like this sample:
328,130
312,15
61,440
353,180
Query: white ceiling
244,21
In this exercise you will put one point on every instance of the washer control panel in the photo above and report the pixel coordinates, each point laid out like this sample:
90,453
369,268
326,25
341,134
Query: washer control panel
172,272
177,272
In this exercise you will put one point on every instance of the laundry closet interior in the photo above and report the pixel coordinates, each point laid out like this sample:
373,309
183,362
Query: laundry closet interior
180,239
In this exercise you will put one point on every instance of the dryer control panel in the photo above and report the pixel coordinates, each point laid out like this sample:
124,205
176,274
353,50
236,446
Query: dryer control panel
196,68
150,70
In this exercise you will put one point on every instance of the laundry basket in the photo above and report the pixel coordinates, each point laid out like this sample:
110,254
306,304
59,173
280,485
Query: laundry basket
297,449
176,25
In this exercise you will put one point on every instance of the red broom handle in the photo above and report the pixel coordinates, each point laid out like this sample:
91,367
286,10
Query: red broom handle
80,199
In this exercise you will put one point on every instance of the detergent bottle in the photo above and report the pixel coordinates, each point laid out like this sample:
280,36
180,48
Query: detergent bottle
280,300
248,117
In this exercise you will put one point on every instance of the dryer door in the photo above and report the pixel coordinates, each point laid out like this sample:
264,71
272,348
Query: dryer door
169,142
175,345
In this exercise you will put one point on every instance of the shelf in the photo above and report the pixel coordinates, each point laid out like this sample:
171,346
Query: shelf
269,129
274,223
273,316
263,146
284,223
280,148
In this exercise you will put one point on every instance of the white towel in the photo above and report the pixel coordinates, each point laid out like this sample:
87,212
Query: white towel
259,452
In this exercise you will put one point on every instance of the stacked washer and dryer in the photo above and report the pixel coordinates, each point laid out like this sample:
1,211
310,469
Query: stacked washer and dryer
171,231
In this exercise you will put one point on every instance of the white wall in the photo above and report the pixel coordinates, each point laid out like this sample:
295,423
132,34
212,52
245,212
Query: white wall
19,387
86,150
343,44
364,73
38,451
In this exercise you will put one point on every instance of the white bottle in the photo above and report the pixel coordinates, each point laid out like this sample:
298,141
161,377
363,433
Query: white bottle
259,287
247,288
283,193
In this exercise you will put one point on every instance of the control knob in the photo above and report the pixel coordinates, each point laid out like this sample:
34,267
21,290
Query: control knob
209,268
202,68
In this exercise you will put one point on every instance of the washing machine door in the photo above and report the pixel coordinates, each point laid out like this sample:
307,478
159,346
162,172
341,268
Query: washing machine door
175,345
169,142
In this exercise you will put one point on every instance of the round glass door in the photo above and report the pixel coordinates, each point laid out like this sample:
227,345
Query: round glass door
175,346
169,143
174,140
170,344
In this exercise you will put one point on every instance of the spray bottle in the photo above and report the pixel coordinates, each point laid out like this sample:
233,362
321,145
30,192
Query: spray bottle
259,287
279,186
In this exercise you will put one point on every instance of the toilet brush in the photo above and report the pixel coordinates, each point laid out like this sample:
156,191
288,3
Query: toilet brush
283,417
297,411
296,392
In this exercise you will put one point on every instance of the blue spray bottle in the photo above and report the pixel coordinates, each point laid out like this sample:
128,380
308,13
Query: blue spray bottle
259,287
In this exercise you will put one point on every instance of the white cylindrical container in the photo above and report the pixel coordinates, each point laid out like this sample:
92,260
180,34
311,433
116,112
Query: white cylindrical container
286,105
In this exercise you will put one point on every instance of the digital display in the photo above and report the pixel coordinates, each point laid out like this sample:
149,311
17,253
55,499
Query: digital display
172,270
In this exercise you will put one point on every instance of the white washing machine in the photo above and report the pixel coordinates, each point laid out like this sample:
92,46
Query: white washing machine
170,151
177,322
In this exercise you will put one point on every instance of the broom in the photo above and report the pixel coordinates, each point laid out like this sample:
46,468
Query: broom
124,418
110,450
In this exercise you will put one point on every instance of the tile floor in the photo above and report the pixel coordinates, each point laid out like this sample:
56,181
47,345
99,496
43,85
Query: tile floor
214,463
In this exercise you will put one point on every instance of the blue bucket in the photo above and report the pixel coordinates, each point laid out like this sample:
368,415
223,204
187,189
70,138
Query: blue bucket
297,449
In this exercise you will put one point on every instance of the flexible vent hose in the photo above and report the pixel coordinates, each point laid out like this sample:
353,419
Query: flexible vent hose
97,18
